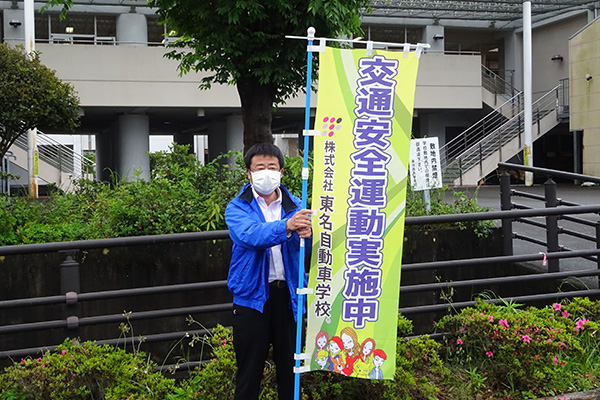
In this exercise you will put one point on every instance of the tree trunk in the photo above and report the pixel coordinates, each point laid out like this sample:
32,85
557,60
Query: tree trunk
257,111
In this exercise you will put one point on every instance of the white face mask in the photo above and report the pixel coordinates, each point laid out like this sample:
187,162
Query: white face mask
266,181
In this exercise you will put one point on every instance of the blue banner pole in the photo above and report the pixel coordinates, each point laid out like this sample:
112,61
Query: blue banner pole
301,273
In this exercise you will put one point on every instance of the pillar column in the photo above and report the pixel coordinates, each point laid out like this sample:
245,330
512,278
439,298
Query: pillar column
235,135
513,60
434,35
133,145
104,161
14,34
132,29
225,136
217,135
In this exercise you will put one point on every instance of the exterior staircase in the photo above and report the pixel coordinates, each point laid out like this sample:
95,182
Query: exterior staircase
499,136
59,165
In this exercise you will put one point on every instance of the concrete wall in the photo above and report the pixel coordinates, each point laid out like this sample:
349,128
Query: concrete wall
448,82
121,76
550,40
584,62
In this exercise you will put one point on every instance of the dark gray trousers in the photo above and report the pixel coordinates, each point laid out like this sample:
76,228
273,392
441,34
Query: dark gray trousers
253,333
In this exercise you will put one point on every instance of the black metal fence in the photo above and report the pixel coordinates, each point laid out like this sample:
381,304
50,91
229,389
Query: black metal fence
71,297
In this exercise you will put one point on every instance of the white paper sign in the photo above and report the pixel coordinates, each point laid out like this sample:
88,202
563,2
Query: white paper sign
425,171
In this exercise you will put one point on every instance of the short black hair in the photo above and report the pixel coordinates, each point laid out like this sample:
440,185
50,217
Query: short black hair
263,149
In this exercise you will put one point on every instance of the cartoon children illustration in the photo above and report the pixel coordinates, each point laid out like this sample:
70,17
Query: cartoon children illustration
322,358
321,342
364,363
351,348
336,357
379,357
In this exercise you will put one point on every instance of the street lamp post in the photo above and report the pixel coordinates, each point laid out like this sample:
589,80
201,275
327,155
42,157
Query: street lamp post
527,91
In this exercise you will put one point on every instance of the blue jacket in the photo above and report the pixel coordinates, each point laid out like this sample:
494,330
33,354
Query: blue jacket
252,237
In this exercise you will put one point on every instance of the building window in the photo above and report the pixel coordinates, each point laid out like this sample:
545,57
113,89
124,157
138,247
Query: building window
74,24
76,28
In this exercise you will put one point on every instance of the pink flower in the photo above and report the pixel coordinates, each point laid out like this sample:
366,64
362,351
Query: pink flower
491,318
489,354
526,338
579,325
554,359
63,352
565,314
504,323
562,398
459,341
556,306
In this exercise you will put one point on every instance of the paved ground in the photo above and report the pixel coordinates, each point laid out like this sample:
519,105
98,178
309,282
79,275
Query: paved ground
489,196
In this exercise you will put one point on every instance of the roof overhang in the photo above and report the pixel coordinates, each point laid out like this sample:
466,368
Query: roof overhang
501,13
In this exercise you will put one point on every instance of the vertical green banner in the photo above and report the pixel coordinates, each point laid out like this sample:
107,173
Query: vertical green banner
364,115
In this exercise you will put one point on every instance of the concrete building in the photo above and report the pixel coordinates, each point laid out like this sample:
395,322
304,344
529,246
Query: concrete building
468,88
584,71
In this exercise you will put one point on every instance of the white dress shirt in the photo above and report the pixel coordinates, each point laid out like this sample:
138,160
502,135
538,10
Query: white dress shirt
272,212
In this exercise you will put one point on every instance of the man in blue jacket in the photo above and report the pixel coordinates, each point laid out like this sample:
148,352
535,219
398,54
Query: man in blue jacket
265,224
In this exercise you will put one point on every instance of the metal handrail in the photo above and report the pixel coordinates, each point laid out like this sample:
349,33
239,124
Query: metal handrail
494,83
58,155
495,140
551,172
111,242
481,128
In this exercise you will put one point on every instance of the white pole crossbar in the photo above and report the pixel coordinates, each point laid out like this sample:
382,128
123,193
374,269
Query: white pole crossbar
360,40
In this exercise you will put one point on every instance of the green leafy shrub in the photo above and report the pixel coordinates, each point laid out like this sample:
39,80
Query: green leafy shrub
181,196
494,352
526,353
215,379
462,204
85,371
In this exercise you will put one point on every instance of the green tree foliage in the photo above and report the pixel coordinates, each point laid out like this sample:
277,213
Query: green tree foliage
181,196
31,96
242,42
